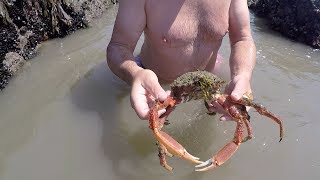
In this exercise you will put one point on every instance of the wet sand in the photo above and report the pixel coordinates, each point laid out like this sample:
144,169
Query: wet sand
67,117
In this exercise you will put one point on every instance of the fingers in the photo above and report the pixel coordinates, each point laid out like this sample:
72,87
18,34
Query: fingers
238,91
248,108
139,102
168,92
238,86
153,87
145,89
216,107
225,118
161,111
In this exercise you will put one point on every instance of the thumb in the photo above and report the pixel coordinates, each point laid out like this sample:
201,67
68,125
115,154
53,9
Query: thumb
238,91
156,90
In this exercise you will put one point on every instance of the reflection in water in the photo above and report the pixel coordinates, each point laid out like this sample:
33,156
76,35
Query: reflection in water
68,117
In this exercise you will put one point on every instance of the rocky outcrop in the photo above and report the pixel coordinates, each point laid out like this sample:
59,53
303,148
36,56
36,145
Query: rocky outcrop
296,19
12,62
24,24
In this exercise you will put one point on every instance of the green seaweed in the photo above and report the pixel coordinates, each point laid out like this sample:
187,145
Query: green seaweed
202,84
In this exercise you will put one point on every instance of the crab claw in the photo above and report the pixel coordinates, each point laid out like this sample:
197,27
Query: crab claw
208,164
223,155
167,141
174,147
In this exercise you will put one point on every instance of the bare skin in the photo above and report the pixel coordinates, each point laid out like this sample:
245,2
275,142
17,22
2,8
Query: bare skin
180,36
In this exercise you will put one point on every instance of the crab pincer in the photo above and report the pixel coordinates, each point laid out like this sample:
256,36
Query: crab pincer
166,142
174,147
225,153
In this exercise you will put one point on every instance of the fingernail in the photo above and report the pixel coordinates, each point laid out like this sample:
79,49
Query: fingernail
162,96
160,112
236,96
223,118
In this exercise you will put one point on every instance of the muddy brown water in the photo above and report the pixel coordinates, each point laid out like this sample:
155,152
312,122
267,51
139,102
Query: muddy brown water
66,117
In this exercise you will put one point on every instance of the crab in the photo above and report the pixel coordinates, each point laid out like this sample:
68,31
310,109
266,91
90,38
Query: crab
207,86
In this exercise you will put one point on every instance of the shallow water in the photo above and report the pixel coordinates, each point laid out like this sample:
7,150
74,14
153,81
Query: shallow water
67,117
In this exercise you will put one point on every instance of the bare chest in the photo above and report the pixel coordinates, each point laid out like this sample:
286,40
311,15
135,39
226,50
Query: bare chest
182,22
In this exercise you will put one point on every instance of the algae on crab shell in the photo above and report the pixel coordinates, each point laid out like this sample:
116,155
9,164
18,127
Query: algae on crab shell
197,84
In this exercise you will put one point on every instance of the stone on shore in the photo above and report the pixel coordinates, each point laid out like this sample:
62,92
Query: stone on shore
296,19
12,62
24,24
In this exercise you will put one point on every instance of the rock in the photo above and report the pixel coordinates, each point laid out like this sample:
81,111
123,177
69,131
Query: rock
25,24
13,62
296,19
93,9
4,77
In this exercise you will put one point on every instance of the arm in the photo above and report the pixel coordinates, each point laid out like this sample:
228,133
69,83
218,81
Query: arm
129,25
243,54
243,50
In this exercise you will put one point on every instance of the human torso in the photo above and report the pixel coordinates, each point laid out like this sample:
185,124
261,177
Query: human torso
183,35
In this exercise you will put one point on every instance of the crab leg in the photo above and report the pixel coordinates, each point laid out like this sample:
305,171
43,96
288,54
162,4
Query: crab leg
247,101
225,153
263,111
162,153
163,138
163,118
249,130
239,111
173,146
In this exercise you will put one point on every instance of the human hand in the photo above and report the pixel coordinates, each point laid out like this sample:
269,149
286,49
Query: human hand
145,90
236,88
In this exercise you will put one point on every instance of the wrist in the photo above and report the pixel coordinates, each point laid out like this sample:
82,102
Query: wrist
130,70
135,73
144,76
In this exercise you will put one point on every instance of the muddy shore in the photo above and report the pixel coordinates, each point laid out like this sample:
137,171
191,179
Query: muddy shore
25,24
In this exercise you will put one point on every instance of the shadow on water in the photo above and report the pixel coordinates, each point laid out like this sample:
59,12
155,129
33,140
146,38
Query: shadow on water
95,93
127,141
